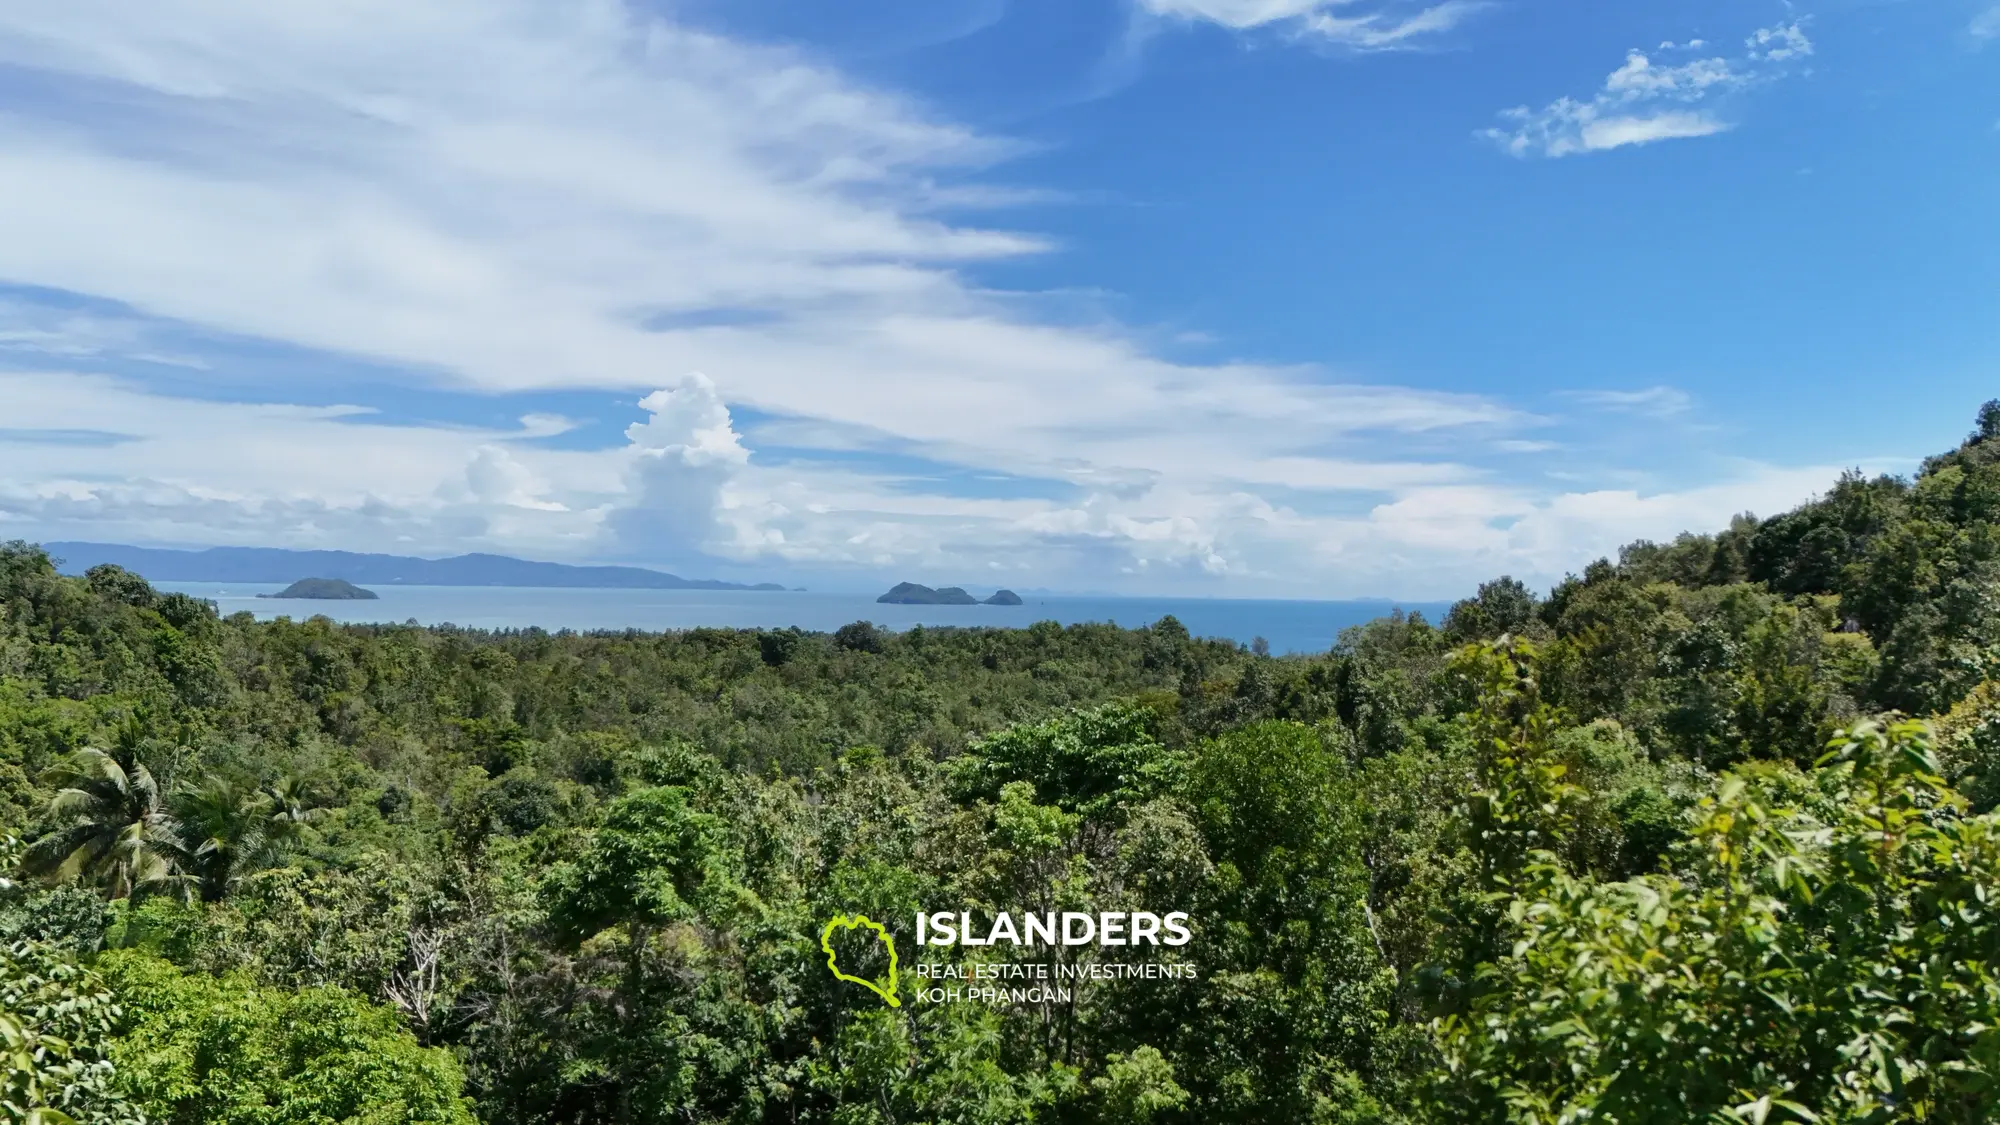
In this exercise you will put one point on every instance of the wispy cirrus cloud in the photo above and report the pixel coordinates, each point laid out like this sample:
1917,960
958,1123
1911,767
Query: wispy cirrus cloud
1647,99
1656,402
1350,23
1985,25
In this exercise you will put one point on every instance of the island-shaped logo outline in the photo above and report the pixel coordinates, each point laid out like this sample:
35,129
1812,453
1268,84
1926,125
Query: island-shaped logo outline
850,922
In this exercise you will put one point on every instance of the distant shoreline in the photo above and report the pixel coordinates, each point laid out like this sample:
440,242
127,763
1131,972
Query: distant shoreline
276,565
1288,625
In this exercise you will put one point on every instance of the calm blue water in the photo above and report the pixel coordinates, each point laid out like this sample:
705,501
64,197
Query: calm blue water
1290,626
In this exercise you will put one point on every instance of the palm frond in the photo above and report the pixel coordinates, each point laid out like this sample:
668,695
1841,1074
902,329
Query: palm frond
71,803
59,856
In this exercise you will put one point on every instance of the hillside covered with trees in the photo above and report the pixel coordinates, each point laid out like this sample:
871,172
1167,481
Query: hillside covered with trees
1705,833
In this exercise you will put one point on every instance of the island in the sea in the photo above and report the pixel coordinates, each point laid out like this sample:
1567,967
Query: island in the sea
325,589
910,593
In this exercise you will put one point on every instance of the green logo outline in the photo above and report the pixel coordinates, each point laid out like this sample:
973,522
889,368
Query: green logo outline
844,922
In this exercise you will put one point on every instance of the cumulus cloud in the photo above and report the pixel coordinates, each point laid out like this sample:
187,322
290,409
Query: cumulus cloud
1777,44
1559,532
682,457
1350,23
1643,101
496,478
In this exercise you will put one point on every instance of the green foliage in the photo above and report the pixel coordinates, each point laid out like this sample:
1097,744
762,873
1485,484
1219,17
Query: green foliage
1828,956
220,1051
109,826
1502,607
1136,1088
1084,761
1298,973
55,1020
861,636
1693,560
1969,745
653,861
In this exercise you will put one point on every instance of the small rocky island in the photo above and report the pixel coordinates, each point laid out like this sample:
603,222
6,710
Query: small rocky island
909,593
324,589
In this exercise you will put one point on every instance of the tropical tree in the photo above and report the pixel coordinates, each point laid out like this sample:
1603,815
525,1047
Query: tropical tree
110,827
228,829
287,810
223,1050
54,1018
1827,956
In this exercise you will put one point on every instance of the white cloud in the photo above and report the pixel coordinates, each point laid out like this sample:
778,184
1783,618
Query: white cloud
1565,128
1323,474
1658,402
496,478
1643,102
1347,22
1235,13
682,457
1777,44
542,425
502,195
1566,530
334,477
506,191
1985,25
1639,79
190,470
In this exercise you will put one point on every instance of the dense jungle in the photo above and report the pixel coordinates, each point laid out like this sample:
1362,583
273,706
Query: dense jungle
1703,833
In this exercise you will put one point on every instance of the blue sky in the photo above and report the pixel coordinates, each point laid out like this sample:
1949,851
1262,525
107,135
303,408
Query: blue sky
1240,297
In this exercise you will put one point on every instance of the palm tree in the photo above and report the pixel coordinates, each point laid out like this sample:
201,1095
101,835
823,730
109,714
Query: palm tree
288,810
222,831
229,829
111,828
114,830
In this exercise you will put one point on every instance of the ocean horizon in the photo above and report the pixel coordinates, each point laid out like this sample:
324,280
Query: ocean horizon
1289,626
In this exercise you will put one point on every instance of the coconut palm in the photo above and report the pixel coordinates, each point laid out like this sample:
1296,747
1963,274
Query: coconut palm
221,826
229,829
110,827
288,811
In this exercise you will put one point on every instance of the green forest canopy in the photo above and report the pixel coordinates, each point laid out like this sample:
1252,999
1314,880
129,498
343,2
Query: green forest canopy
1640,850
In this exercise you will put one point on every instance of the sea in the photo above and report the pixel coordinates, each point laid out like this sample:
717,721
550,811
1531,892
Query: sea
1287,626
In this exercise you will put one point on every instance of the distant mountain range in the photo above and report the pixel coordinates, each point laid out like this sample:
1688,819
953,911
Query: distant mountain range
272,564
